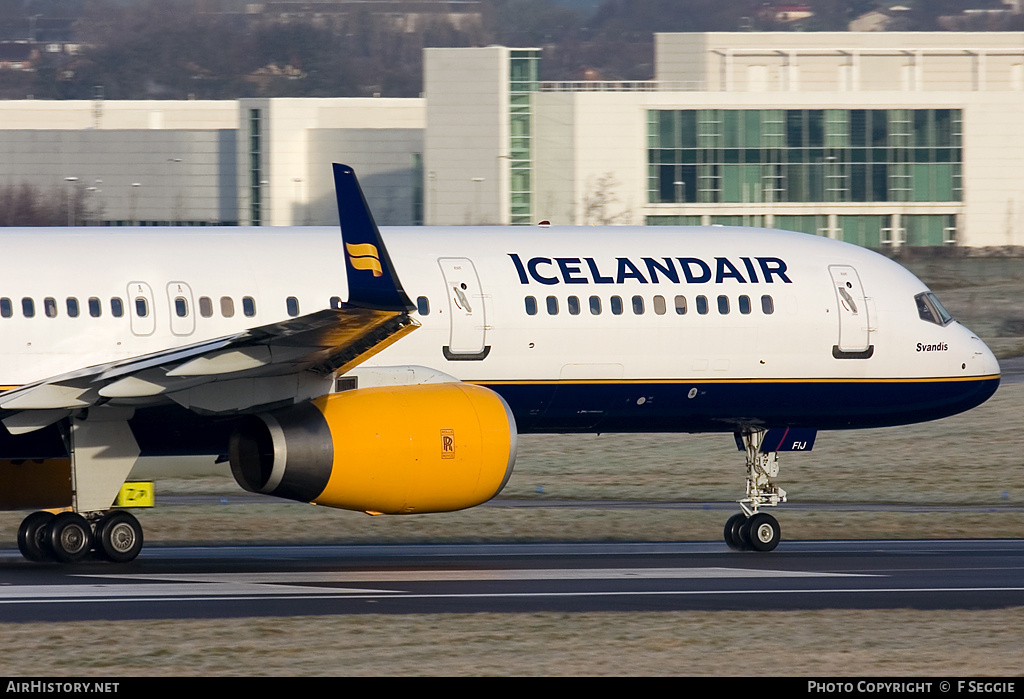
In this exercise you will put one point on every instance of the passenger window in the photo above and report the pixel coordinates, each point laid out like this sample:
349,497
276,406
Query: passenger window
227,307
141,307
723,305
552,303
422,306
28,307
72,304
767,305
181,306
205,306
95,307
248,306
638,305
116,307
595,305
702,305
681,305
6,309
292,304
745,305
573,303
531,306
616,305
659,305
50,307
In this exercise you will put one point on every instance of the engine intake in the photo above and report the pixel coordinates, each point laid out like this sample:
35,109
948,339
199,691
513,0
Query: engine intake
391,450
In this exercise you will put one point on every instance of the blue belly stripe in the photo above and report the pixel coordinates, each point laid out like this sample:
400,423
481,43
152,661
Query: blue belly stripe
723,406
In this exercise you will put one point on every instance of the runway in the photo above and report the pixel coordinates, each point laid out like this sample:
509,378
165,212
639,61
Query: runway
243,581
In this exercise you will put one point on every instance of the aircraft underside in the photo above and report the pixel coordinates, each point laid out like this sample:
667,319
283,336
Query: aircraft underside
606,407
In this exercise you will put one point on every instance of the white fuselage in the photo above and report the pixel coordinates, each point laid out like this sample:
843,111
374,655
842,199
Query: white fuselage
503,306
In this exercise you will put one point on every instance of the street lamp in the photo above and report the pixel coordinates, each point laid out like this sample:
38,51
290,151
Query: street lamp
476,198
71,205
135,198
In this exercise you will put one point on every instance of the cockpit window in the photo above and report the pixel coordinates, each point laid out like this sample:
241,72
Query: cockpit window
929,308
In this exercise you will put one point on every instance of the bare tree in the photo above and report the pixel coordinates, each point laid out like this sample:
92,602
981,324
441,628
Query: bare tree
25,205
599,206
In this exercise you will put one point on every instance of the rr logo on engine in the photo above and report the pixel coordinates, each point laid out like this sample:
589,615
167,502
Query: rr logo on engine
447,444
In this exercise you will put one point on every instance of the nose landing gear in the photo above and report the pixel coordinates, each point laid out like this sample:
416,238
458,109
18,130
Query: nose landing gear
751,529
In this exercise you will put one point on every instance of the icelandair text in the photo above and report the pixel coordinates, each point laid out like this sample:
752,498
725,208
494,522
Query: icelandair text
649,270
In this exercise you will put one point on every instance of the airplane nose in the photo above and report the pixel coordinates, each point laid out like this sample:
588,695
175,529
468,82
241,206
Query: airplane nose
982,361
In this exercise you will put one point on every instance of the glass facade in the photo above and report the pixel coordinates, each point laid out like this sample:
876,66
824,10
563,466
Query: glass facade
523,80
417,189
709,156
255,171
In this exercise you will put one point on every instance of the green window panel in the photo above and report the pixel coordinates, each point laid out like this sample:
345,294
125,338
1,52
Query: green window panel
929,229
807,155
741,183
727,220
802,224
672,220
864,230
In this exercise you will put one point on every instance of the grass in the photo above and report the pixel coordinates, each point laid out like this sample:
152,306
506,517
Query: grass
903,642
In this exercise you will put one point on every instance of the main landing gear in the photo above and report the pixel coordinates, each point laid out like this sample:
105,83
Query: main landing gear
751,529
68,537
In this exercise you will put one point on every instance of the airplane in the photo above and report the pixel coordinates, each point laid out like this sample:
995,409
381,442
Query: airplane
390,372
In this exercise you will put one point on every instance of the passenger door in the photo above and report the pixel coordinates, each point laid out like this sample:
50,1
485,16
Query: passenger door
467,319
854,326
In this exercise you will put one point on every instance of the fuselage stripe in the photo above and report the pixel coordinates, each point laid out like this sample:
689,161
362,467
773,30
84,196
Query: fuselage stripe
702,380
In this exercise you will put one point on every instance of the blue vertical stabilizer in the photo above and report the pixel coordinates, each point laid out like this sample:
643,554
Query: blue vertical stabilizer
372,282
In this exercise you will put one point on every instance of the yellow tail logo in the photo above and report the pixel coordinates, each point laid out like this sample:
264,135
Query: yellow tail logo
364,256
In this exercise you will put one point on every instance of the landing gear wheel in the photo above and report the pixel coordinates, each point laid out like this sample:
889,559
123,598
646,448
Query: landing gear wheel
32,540
70,537
763,532
733,532
119,536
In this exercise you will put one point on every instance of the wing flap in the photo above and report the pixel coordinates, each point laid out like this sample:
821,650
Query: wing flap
322,343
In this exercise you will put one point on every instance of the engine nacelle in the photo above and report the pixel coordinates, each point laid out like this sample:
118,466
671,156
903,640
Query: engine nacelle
389,450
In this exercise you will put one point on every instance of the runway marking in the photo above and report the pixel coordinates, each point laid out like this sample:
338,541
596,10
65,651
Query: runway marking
62,593
471,575
378,595
312,584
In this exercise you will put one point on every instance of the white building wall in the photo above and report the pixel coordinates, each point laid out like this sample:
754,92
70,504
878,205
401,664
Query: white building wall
127,175
590,159
382,158
117,114
556,198
993,170
295,165
830,61
467,137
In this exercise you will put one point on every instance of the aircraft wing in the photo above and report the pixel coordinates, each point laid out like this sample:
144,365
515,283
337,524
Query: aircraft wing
271,364
321,343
